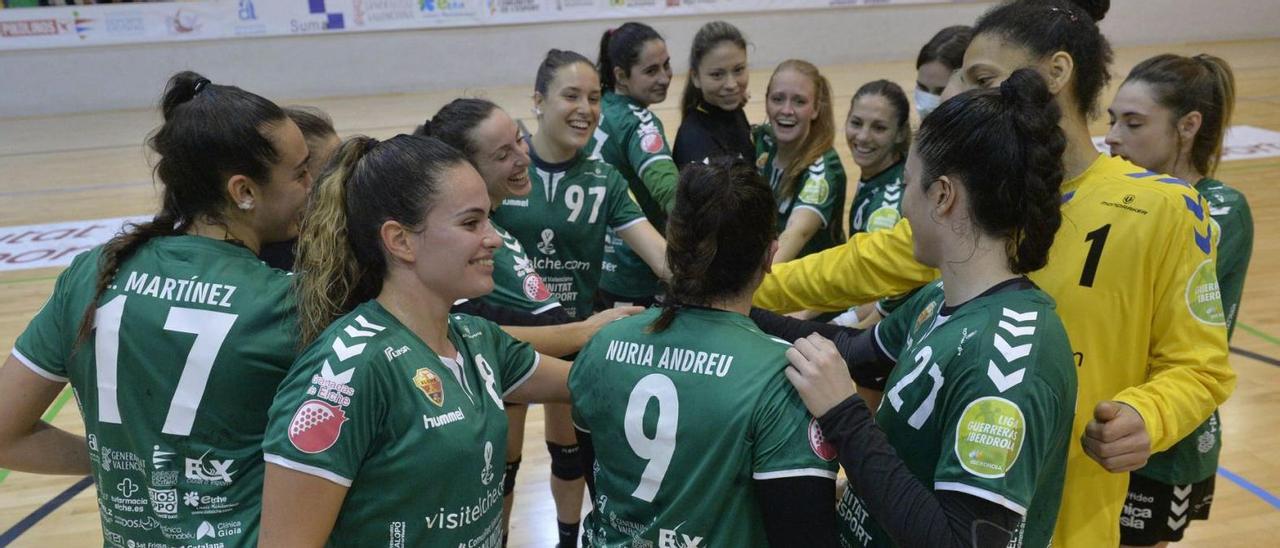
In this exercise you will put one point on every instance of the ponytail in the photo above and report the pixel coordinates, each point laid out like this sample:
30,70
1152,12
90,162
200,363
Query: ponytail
719,230
621,48
341,261
1203,83
1005,146
209,133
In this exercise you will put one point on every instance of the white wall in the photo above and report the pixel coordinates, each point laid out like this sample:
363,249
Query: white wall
56,81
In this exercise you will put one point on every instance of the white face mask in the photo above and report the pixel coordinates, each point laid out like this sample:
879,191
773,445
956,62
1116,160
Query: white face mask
926,102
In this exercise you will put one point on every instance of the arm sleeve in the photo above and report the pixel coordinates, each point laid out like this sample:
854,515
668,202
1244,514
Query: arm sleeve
821,193
1234,253
46,343
325,438
867,267
502,315
910,512
517,359
623,210
869,365
798,511
1188,374
650,157
693,143
783,436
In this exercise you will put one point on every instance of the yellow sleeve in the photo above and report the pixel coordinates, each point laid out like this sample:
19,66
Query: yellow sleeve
1188,375
865,268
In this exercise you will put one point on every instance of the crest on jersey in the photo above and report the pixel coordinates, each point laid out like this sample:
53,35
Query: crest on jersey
1203,296
925,314
535,289
429,383
821,447
316,426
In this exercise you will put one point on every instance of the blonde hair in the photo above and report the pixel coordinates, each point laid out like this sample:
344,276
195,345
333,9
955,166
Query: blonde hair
822,130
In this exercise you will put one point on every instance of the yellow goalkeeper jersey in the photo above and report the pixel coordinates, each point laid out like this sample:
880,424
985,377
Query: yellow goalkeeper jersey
1132,271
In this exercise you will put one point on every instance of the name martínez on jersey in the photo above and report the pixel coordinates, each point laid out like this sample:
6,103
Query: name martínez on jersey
187,291
671,358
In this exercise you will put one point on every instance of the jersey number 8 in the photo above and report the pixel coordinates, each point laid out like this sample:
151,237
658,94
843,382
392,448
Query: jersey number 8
209,327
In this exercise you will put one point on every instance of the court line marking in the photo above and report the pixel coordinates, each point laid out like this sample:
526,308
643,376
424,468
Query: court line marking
1256,356
48,416
1250,487
44,510
1258,333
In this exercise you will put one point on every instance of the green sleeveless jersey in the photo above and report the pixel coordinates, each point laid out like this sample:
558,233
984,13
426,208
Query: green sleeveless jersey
819,189
191,340
632,140
562,224
1195,457
516,284
981,402
417,438
682,422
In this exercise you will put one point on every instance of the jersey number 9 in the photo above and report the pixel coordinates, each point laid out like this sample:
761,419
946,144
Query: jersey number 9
658,449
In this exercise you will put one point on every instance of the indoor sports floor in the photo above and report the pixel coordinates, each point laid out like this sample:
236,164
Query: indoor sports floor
94,166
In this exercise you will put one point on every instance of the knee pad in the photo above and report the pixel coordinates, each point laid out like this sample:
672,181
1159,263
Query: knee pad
509,477
566,461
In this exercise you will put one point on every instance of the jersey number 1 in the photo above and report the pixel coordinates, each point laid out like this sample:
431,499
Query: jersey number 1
658,449
1098,239
209,327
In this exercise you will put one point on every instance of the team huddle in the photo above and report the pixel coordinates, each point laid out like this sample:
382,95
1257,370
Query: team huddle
1019,341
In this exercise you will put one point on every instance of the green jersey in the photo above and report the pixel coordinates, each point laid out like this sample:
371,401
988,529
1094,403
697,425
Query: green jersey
708,409
562,223
819,189
878,203
417,439
1195,458
191,340
516,284
631,139
981,402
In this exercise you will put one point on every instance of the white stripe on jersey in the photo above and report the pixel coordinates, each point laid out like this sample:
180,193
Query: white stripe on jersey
35,368
980,493
306,469
798,472
537,359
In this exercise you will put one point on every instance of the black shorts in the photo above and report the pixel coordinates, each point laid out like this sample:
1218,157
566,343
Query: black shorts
1156,512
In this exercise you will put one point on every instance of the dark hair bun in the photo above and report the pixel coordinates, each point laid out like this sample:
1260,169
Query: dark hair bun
1097,9
181,88
1026,88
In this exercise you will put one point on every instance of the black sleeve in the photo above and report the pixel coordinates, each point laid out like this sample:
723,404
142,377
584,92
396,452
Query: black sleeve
587,450
502,315
693,143
798,511
869,366
912,514
278,254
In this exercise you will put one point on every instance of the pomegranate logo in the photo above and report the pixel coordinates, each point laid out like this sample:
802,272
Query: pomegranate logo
535,289
651,143
316,426
819,443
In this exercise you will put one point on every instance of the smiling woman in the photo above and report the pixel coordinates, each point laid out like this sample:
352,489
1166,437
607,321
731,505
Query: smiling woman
412,237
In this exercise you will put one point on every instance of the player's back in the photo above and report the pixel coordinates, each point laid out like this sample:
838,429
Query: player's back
190,343
682,421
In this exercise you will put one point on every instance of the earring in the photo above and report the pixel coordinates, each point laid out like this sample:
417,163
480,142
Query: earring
246,205
537,111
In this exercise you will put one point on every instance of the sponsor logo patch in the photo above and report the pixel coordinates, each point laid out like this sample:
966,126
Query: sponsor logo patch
651,143
815,191
821,447
1203,296
535,289
315,426
989,436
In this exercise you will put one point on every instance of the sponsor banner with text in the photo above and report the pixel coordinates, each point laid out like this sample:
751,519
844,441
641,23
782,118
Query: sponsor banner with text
95,25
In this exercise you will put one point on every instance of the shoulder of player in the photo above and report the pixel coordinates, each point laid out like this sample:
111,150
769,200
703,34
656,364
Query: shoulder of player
1021,336
1219,194
1147,190
359,337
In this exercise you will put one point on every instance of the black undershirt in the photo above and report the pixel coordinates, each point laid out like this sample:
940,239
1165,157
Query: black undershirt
708,131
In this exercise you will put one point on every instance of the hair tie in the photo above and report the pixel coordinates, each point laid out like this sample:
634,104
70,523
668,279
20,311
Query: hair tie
610,32
200,84
1071,15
